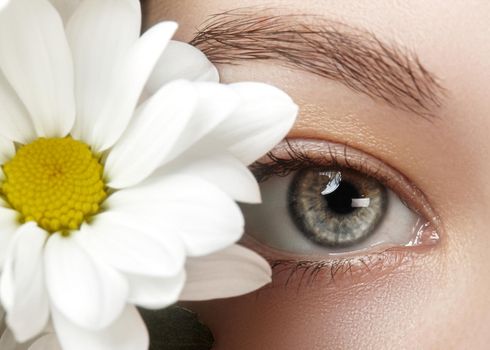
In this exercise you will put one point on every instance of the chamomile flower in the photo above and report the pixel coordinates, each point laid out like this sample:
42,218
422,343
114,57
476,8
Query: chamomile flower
118,186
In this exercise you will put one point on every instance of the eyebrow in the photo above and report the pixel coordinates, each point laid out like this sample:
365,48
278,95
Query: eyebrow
330,49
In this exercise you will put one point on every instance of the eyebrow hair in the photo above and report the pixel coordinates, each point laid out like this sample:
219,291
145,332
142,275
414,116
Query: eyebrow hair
334,50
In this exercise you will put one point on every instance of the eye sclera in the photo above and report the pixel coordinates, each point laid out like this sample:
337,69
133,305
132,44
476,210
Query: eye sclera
424,237
297,154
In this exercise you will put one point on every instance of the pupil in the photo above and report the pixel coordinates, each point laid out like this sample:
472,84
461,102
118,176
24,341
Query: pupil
340,200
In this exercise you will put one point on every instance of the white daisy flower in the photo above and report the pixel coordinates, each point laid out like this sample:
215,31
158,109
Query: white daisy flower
110,199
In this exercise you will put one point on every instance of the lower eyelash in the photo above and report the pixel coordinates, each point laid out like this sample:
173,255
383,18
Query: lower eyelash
336,272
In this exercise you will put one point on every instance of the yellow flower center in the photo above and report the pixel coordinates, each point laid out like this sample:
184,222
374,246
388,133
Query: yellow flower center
57,182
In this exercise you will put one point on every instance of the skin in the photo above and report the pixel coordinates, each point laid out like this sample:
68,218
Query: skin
433,298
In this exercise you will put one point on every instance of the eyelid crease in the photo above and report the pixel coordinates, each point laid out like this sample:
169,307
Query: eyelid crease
295,154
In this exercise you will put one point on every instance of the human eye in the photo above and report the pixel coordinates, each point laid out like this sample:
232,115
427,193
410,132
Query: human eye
326,203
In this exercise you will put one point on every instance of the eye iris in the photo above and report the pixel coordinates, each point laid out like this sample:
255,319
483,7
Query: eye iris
346,215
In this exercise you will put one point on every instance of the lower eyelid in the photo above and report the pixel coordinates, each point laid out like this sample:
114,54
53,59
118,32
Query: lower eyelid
338,272
298,271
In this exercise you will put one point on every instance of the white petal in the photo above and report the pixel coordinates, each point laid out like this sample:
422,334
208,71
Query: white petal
86,291
14,118
126,333
7,150
231,272
215,103
36,59
3,3
222,170
131,77
153,292
263,118
22,284
8,342
8,225
6,147
181,61
132,247
203,216
100,34
65,7
13,271
46,342
152,134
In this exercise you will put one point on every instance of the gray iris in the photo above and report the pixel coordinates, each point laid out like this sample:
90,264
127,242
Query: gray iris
341,218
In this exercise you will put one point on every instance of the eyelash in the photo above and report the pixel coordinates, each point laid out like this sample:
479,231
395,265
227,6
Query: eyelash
348,270
291,158
297,159
293,155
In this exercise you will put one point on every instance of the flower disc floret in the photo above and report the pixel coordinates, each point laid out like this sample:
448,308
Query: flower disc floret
56,182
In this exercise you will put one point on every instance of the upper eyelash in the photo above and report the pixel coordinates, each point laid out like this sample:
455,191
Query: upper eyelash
295,154
297,159
282,167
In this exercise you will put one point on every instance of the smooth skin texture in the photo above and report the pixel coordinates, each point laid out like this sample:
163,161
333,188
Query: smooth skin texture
436,298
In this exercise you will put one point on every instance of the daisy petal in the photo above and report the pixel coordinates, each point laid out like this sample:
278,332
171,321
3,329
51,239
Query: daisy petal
86,291
7,150
46,342
222,170
100,33
36,59
132,247
263,118
155,293
132,75
215,103
152,134
202,215
128,332
15,120
8,342
22,284
8,226
65,7
231,272
181,61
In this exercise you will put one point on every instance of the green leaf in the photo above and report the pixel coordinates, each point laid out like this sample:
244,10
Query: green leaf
176,328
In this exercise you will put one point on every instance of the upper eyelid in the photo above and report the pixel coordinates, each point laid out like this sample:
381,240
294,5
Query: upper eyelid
323,153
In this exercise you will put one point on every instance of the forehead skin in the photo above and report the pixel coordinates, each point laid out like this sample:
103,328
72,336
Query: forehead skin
440,299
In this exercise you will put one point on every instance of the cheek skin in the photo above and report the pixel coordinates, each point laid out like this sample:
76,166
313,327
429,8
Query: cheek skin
312,316
346,313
